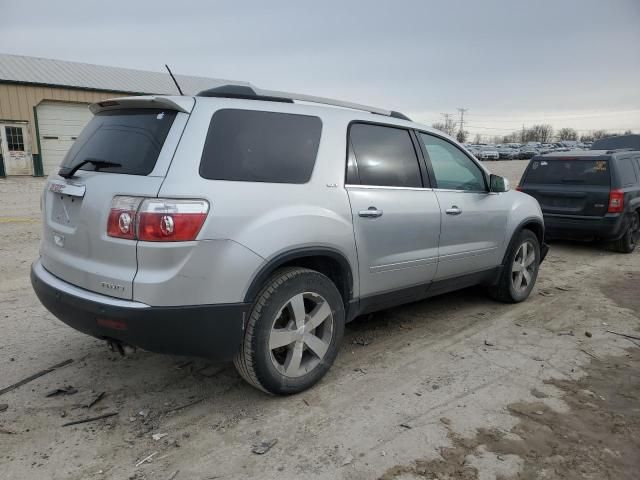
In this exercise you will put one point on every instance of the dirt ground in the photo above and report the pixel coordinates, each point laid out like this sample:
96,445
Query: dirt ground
455,387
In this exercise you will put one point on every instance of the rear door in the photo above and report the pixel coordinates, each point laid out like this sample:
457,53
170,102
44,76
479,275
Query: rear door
75,246
569,186
396,215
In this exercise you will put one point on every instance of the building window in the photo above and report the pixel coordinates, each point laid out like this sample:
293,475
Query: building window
15,141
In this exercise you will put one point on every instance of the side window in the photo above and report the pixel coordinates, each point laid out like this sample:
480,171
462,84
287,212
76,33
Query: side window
385,156
352,169
453,170
256,146
626,172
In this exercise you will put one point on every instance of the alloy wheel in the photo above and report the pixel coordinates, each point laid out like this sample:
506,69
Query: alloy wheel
524,267
301,334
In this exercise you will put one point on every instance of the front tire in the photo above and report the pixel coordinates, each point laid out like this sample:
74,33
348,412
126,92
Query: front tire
293,333
520,270
627,243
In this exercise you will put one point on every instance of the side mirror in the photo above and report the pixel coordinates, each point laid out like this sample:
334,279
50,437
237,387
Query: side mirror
498,184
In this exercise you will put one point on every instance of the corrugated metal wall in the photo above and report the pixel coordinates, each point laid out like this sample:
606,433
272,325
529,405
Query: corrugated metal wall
17,102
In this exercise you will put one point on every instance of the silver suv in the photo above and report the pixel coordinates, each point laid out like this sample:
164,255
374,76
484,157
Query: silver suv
252,225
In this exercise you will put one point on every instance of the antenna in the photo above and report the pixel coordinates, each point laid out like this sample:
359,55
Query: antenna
174,79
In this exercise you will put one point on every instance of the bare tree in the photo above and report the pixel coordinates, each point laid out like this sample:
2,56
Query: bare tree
567,134
449,126
598,134
477,139
462,135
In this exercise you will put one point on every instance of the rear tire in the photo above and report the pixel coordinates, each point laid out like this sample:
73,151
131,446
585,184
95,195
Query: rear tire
293,333
520,270
627,243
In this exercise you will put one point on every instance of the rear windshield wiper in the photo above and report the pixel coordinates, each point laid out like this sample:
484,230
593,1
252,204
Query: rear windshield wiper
68,172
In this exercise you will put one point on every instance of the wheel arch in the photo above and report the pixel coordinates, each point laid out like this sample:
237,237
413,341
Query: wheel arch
326,260
535,224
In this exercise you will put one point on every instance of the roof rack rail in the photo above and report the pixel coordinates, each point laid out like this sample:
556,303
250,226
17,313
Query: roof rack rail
252,93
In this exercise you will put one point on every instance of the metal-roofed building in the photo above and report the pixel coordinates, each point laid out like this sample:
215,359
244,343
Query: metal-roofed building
43,105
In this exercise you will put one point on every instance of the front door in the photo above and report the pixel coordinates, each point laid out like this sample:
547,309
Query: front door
396,216
16,151
473,219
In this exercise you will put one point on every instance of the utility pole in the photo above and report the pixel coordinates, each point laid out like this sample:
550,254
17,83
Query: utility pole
462,112
449,124
461,134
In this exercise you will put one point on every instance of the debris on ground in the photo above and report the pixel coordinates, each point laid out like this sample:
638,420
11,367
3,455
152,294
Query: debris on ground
3,406
361,341
34,376
90,419
593,355
545,293
347,460
95,399
570,333
264,446
144,412
159,436
146,459
180,407
588,334
173,475
633,337
361,370
68,390
563,289
405,425
538,394
488,343
6,432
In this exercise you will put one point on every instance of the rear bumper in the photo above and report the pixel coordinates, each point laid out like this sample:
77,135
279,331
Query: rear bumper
209,331
608,227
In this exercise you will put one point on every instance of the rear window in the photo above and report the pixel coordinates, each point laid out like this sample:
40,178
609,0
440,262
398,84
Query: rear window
254,146
578,172
132,138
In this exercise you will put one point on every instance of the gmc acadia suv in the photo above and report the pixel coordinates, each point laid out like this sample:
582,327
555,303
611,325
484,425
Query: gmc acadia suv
239,224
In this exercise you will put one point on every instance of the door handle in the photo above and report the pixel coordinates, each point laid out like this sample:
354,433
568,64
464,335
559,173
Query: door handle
454,210
371,212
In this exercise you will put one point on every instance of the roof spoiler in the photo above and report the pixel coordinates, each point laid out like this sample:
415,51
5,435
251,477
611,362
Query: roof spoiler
180,104
252,93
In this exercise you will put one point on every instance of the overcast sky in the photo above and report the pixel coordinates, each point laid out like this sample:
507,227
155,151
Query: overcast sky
566,62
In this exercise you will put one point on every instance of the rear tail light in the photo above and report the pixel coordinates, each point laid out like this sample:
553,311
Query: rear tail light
519,188
616,201
156,219
167,220
122,217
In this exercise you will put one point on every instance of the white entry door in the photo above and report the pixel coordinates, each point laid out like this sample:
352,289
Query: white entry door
16,148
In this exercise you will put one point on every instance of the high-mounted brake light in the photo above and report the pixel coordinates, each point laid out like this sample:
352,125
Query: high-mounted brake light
171,220
616,201
156,219
122,217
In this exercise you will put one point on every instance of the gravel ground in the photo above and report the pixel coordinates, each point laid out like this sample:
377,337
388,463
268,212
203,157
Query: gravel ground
456,387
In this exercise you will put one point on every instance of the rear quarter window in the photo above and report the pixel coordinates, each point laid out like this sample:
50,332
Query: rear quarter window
570,171
256,146
133,138
626,172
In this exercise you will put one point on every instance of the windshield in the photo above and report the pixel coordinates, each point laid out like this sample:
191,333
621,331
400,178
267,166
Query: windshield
559,172
130,138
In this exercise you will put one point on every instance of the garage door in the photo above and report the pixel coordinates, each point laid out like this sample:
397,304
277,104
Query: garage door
59,124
